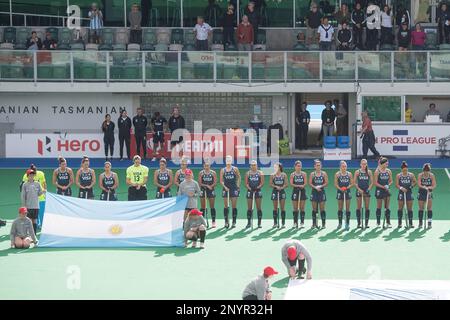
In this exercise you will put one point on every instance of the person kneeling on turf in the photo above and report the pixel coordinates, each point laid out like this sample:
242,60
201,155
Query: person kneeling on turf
22,232
259,288
293,251
194,228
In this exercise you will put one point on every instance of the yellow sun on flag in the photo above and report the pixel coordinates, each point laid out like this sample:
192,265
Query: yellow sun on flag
115,229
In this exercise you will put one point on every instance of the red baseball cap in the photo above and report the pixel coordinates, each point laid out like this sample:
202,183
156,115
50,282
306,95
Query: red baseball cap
196,212
23,210
30,171
269,271
292,253
188,172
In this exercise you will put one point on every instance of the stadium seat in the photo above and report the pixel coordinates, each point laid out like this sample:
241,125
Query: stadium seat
314,47
121,36
177,36
444,46
77,46
9,35
387,47
217,36
175,47
54,32
217,47
134,47
7,46
61,72
431,41
107,39
329,142
163,36
300,47
65,38
343,141
230,47
261,37
94,47
259,47
22,35
161,47
44,71
148,40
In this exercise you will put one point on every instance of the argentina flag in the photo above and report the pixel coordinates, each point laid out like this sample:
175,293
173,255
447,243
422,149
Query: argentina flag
73,222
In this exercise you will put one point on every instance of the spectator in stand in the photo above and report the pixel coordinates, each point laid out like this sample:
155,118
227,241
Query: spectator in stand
328,117
402,16
202,30
253,17
443,20
341,120
448,116
176,121
135,19
358,20
96,24
49,43
372,26
432,111
228,21
386,26
326,35
418,37
140,132
343,15
344,38
34,42
212,13
244,35
313,19
404,38
301,42
124,124
146,8
409,116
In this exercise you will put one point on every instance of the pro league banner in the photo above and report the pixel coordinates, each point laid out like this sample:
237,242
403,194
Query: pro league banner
407,139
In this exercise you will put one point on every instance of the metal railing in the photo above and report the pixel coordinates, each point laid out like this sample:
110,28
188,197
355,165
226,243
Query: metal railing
225,66
60,18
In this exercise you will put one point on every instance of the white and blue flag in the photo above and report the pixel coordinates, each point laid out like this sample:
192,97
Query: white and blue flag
73,222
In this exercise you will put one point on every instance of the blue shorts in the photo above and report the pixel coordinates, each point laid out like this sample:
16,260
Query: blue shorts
366,194
209,193
317,196
167,194
234,193
409,196
104,196
381,193
340,195
275,195
258,194
422,196
298,192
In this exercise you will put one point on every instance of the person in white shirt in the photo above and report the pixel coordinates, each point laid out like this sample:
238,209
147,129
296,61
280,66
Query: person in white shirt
386,25
202,30
326,35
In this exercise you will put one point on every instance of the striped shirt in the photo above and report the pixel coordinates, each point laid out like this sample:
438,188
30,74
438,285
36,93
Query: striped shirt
96,20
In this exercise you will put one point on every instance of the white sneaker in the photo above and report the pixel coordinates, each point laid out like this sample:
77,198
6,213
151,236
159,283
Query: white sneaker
153,159
202,245
194,244
213,225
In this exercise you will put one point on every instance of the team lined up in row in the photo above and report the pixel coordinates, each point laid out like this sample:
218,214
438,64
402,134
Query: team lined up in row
363,181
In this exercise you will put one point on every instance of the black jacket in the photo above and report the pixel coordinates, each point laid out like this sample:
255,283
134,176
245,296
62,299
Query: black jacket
303,118
328,116
228,20
124,126
176,123
38,42
108,129
358,17
313,19
253,17
140,125
344,35
404,38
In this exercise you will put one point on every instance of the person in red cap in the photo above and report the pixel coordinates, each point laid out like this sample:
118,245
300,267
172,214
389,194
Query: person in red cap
22,232
195,228
189,187
259,288
293,252
31,191
343,181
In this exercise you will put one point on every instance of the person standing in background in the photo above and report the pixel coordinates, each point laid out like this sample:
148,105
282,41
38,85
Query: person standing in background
404,37
409,115
303,119
190,188
108,136
328,117
96,24
244,35
368,136
146,8
202,30
135,19
140,132
418,38
176,121
432,111
253,17
124,124
341,117
313,19
358,18
39,177
228,21
31,191
386,25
